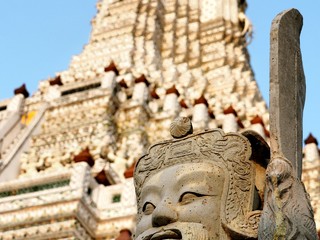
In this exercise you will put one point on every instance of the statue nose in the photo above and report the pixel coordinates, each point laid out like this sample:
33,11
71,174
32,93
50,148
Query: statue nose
164,214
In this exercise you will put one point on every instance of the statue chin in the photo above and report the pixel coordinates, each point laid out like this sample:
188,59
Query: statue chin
177,230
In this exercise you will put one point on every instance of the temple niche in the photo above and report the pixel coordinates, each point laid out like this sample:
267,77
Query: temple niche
68,151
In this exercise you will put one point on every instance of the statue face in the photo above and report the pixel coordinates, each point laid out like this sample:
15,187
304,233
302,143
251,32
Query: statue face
182,202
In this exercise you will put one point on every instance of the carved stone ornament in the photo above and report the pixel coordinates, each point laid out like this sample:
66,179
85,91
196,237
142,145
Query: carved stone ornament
287,213
181,127
202,186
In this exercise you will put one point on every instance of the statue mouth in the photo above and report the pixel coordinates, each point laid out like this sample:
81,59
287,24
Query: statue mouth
166,234
185,231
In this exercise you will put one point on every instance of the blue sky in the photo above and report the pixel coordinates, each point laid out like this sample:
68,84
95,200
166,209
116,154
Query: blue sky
38,39
261,14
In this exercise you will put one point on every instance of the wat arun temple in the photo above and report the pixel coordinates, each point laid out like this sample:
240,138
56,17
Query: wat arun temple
68,151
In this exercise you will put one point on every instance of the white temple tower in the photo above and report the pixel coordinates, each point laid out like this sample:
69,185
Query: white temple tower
67,152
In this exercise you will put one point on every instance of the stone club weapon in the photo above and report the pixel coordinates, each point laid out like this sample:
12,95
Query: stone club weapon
287,213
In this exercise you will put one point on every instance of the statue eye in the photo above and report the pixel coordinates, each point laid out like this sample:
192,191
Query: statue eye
148,208
188,197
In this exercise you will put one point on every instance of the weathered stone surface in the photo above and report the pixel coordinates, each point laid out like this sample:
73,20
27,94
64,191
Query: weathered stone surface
202,186
287,88
287,212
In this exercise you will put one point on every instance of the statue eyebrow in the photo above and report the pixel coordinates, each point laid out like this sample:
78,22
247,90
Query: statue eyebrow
150,189
186,177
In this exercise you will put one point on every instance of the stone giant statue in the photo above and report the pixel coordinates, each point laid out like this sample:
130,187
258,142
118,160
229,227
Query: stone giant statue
207,185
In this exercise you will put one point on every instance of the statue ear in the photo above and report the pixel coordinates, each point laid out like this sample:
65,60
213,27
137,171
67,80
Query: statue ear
261,157
256,159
